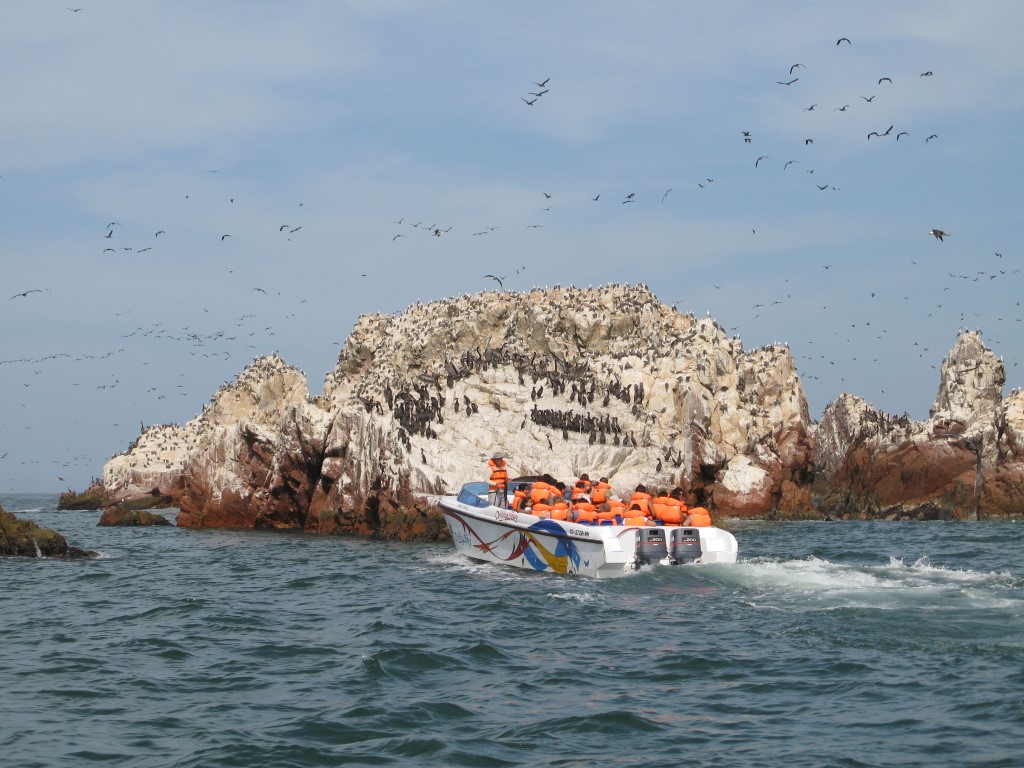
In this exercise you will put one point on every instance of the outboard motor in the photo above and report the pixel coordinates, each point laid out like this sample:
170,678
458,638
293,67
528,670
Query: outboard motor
685,545
650,546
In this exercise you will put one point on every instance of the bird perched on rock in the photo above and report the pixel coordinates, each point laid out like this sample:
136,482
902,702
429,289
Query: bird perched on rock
938,234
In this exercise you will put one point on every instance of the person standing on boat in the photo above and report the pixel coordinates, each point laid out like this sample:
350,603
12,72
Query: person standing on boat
498,495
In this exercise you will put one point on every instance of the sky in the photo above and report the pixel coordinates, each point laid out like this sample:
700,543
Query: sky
187,185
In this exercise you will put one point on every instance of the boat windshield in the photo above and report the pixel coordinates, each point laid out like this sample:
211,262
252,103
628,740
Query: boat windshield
474,494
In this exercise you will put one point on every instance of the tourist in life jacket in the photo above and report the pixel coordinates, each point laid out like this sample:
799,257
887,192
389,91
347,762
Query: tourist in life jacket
580,490
601,491
641,498
584,482
662,506
520,498
498,489
636,516
699,517
584,512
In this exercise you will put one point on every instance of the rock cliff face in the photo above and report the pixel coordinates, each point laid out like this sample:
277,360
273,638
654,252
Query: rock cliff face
872,464
608,381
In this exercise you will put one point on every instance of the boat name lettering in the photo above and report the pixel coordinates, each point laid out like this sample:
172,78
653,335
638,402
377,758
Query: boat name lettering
579,532
506,515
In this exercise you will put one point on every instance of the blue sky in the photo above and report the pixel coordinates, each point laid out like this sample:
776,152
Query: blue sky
306,131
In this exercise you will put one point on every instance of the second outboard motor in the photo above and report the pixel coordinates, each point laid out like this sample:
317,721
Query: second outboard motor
650,546
685,545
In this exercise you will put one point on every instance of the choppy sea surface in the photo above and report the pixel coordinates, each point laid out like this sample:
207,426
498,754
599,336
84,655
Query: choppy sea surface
827,644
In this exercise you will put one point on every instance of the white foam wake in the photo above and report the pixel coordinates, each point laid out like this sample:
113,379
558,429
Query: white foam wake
820,584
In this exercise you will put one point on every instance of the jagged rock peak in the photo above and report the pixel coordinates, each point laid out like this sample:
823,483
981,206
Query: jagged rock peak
970,385
969,402
257,394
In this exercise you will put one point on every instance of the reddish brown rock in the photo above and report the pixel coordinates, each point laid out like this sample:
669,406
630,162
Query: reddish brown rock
876,465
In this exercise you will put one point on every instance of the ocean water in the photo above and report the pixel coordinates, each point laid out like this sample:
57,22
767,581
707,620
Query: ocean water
827,644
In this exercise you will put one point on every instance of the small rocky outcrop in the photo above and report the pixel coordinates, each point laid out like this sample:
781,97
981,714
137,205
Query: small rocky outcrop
96,496
608,381
122,517
965,460
23,538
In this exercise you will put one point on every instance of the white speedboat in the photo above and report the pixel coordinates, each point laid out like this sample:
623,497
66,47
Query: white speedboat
497,535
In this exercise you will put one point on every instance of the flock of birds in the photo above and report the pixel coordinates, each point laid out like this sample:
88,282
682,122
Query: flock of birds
217,341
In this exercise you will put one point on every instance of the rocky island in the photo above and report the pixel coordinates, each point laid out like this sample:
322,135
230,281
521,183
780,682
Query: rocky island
606,380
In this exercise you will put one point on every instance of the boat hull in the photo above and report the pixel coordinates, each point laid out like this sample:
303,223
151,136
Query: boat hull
492,534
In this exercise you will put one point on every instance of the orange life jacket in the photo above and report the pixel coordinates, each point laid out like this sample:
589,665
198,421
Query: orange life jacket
600,492
642,500
585,513
635,520
668,510
499,475
518,499
539,492
541,507
700,517
559,513
580,490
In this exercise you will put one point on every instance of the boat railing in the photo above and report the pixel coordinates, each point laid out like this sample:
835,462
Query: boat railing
475,495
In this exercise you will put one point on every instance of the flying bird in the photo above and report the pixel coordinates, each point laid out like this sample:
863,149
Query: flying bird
929,73
901,133
538,95
788,163
933,136
938,234
780,82
794,67
666,194
841,109
808,141
529,103
541,85
161,232
867,99
884,79
222,237
841,39
762,157
498,279
76,10
26,293
746,137
810,108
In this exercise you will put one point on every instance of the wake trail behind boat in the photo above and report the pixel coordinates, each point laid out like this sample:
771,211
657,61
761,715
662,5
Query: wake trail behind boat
817,584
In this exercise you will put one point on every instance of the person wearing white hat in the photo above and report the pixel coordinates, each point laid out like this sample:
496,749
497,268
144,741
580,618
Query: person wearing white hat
498,490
